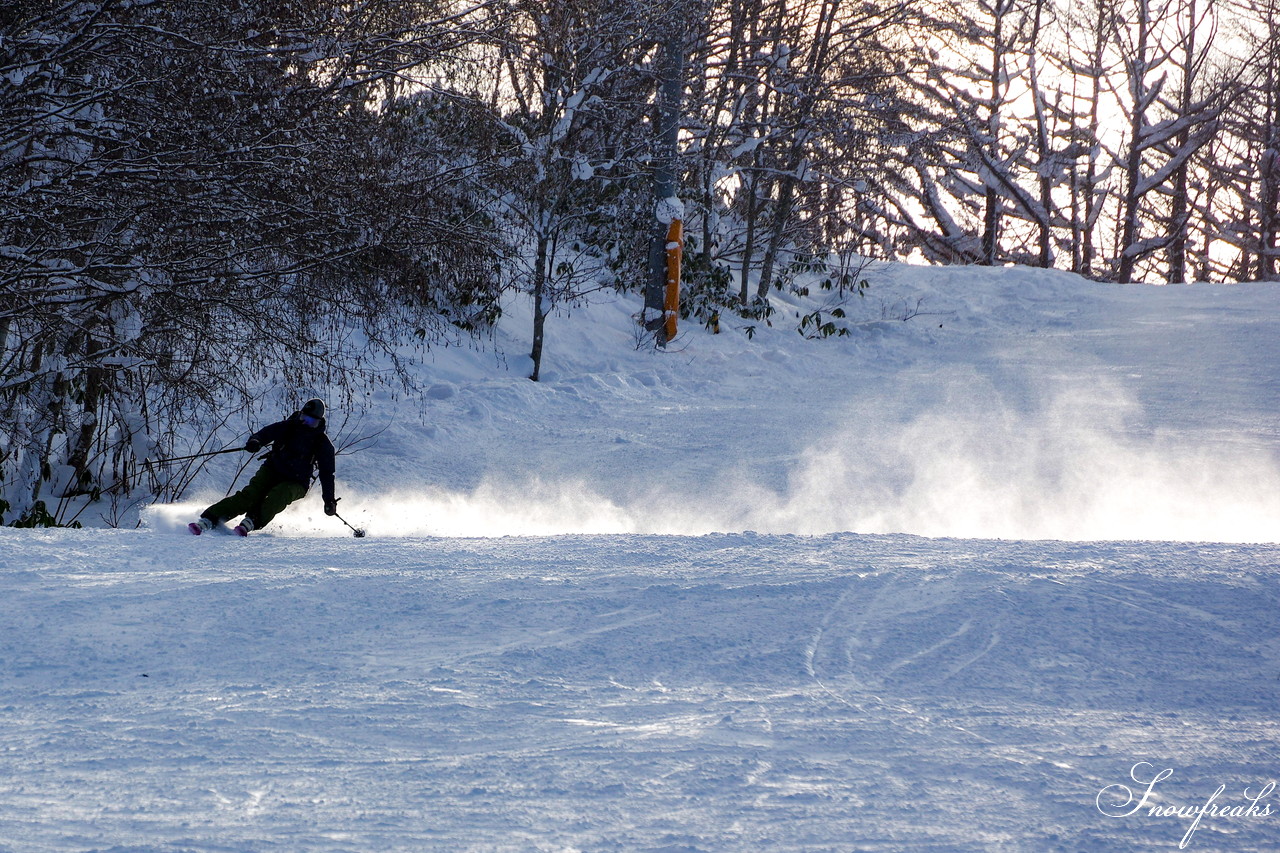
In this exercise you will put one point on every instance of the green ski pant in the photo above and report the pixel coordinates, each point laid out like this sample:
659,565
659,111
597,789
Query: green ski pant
262,499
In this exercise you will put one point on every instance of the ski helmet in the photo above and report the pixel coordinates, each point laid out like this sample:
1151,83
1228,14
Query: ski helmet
314,407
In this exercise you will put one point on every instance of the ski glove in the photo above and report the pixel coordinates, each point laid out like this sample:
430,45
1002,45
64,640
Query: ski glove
253,445
331,506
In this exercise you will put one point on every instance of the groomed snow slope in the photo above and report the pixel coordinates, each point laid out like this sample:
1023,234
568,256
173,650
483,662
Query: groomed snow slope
728,692
650,676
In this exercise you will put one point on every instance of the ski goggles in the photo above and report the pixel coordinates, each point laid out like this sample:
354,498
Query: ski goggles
309,421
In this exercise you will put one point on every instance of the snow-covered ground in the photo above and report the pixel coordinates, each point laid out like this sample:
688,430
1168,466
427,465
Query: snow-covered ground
958,582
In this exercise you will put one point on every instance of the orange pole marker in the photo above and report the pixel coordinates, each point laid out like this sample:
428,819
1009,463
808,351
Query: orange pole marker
671,302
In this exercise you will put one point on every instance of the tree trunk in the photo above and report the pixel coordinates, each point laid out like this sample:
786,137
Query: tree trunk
78,458
1042,140
1269,180
1087,249
1179,213
1133,160
782,212
539,308
749,242
1268,218
991,211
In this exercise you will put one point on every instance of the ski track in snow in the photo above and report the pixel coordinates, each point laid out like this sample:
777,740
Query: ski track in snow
729,692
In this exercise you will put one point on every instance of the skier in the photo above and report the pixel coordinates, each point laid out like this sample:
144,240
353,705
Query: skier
298,446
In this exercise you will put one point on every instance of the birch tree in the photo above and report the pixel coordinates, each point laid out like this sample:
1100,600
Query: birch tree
1162,137
1088,58
1250,169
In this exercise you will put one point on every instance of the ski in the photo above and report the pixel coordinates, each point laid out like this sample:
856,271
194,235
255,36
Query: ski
241,529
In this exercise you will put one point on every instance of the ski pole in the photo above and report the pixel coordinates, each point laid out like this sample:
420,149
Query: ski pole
358,532
195,456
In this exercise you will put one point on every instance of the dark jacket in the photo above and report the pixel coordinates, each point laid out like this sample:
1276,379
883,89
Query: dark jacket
297,450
